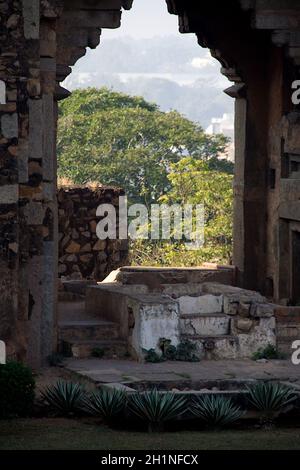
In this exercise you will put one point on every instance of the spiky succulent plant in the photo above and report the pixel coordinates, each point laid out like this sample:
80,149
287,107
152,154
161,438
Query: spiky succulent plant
270,399
66,398
216,411
156,407
105,403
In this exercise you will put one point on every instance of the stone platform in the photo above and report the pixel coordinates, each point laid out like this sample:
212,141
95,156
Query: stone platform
102,371
133,308
184,305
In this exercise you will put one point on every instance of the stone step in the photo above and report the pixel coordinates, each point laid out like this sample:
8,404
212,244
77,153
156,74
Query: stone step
154,277
83,330
83,349
73,311
212,325
65,296
77,287
204,315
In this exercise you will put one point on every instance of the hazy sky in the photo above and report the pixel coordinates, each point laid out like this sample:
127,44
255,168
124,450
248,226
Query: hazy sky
146,19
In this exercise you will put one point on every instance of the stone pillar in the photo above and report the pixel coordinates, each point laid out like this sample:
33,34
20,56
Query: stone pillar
288,211
250,181
256,166
19,70
48,52
32,208
238,217
28,260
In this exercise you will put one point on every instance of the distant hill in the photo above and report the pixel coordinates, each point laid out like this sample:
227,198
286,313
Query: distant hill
174,72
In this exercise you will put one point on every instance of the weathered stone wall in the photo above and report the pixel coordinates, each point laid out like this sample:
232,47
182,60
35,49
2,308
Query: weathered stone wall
82,255
27,181
223,322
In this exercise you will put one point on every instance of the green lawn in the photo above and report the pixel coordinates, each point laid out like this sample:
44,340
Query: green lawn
58,434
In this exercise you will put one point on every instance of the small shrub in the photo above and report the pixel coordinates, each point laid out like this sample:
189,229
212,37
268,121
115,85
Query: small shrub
171,353
216,411
17,390
152,356
186,352
156,408
65,398
108,404
269,352
183,352
270,399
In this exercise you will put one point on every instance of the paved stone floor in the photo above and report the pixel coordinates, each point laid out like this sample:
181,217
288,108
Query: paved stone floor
122,371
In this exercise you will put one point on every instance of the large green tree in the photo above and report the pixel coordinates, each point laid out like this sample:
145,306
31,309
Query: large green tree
193,182
125,141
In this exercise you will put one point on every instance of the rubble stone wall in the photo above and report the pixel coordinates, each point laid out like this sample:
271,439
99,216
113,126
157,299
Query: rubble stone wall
82,255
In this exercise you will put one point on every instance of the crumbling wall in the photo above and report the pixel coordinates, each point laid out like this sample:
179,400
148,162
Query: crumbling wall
82,255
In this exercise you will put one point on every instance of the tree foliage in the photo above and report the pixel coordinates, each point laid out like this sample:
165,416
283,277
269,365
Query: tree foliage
193,182
125,141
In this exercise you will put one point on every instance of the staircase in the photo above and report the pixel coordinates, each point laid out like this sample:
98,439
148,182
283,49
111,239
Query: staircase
82,335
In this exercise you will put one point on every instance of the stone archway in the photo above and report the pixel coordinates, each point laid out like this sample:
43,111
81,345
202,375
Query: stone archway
258,45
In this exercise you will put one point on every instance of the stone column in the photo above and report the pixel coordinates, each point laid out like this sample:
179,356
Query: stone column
48,51
28,259
19,71
255,181
250,181
238,217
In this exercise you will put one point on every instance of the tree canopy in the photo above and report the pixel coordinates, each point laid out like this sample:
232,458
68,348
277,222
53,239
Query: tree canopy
125,141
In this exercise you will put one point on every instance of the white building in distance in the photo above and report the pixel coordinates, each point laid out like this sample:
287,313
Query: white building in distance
224,125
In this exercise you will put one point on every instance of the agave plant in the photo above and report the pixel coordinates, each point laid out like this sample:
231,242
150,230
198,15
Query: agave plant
66,398
270,399
105,403
216,411
156,408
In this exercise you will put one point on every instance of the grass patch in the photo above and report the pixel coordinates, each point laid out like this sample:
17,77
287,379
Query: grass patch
67,434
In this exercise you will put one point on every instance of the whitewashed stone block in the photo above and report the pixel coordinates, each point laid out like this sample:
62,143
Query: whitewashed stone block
154,320
202,304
